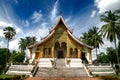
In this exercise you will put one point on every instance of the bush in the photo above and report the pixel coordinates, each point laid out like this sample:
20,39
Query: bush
17,57
3,58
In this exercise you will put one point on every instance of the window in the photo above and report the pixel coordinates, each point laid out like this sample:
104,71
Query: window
71,51
75,51
49,50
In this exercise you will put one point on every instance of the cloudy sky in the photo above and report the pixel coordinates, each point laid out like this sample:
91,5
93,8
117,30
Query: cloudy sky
36,17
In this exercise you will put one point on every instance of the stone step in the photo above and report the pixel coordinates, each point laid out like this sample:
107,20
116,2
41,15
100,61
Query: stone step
61,72
102,70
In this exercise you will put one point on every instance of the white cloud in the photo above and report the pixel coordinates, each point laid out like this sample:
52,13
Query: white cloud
105,5
54,11
1,44
36,16
68,19
93,14
38,32
1,33
4,24
26,23
13,45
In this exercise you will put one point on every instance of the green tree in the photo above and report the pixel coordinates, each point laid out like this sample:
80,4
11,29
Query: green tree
111,30
96,38
9,33
102,58
17,57
3,55
93,38
25,42
107,57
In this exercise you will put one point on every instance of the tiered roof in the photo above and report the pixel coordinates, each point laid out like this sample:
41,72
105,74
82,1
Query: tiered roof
53,31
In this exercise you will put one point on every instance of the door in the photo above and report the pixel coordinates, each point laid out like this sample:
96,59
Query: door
60,54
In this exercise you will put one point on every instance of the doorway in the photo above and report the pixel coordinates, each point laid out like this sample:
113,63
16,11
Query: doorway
60,54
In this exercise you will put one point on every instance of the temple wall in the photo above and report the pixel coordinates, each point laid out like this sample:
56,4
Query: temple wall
59,36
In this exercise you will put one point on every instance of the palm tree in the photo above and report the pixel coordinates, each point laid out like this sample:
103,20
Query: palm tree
110,29
9,33
84,38
25,42
95,38
92,38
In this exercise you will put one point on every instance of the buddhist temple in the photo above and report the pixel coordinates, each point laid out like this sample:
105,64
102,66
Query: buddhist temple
60,43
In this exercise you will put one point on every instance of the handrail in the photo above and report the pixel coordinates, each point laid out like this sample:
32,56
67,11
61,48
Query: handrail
87,70
34,70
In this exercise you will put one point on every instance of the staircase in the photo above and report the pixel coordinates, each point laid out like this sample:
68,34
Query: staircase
20,70
45,62
60,63
102,70
61,71
74,62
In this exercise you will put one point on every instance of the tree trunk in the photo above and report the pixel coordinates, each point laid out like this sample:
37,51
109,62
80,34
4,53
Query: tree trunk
96,53
116,52
7,51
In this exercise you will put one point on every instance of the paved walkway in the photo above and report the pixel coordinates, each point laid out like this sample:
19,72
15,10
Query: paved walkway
63,78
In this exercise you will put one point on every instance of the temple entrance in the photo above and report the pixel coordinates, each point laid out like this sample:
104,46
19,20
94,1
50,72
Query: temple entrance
84,58
60,50
60,54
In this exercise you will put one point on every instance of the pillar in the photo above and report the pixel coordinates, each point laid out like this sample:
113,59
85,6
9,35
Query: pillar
42,51
30,50
52,52
89,56
68,48
79,52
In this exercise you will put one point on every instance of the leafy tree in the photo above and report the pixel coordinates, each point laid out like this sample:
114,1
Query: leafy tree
107,57
102,58
111,30
25,42
17,57
3,55
9,33
93,38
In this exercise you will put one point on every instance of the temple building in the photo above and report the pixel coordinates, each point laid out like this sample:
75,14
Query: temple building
60,43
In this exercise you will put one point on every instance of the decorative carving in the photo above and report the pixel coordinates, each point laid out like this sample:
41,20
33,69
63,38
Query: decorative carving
52,62
68,61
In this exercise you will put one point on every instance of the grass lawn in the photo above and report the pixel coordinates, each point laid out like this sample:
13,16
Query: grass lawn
12,77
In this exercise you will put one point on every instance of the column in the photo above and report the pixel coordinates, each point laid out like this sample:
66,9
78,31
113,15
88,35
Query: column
42,51
79,52
30,50
52,52
67,48
89,56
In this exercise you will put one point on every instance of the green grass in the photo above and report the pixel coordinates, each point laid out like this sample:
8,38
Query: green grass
12,77
118,76
112,77
4,76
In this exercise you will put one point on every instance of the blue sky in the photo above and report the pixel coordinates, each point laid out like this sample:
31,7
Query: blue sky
36,17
